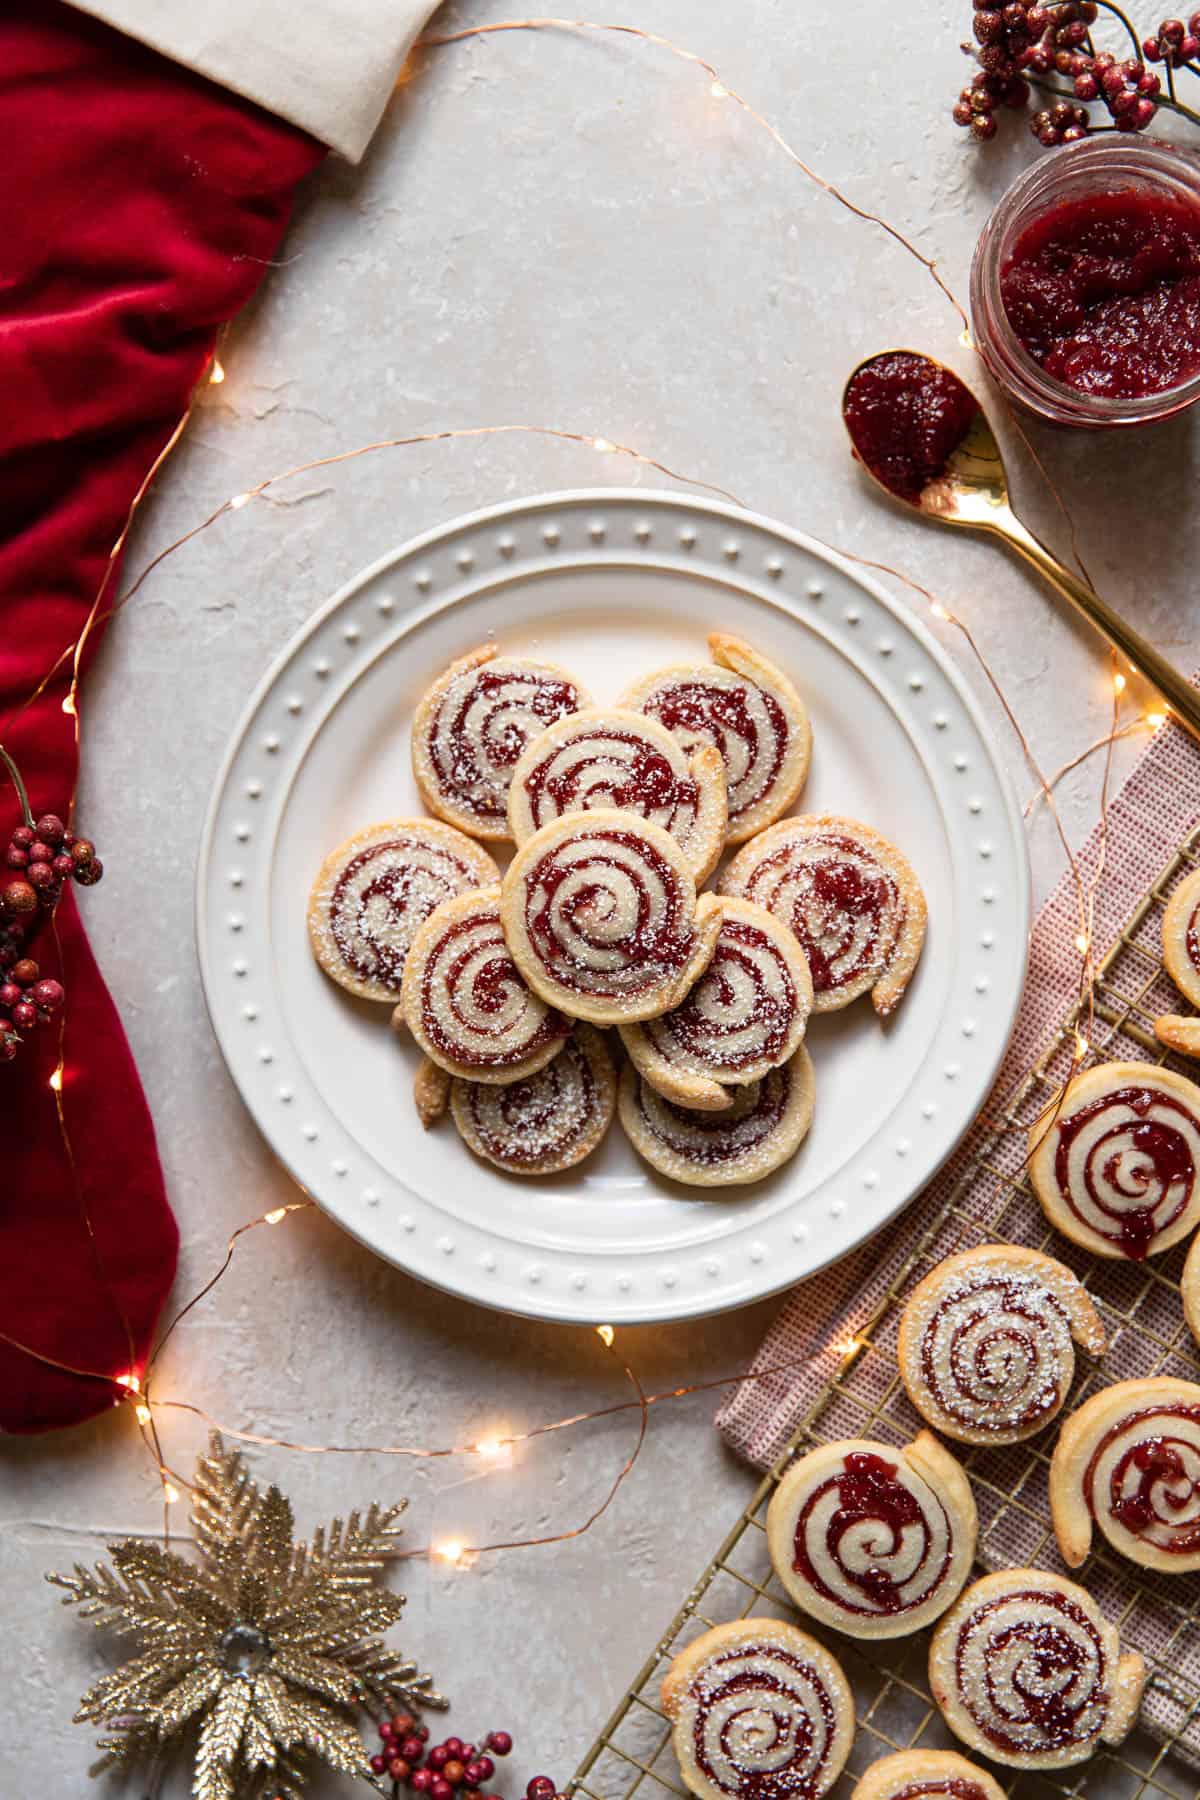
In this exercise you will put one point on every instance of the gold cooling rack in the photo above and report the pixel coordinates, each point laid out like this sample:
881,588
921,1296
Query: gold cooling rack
1142,1312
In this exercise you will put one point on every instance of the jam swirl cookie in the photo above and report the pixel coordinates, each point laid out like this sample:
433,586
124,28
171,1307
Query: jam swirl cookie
601,916
1181,937
1027,1671
987,1342
545,1122
873,1540
471,727
611,758
748,711
763,1127
1179,1032
1115,1162
757,1709
746,1015
850,898
464,1001
926,1775
1128,1460
374,891
1189,1286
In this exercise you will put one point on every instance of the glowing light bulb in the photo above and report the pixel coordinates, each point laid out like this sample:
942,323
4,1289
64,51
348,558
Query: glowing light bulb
604,445
450,1551
489,1448
273,1218
1118,683
848,1346
938,610
56,1079
170,1492
68,704
216,374
606,1334
719,91
1081,1044
1082,943
238,500
1156,719
141,1413
129,1380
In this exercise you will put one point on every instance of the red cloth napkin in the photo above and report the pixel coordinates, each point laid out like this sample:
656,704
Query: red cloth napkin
138,209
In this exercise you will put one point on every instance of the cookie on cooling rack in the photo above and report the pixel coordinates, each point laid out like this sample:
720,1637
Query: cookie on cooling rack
1115,1159
987,1342
873,1540
849,896
745,1016
750,712
374,891
1128,1460
758,1709
1028,1672
926,1775
1181,937
471,727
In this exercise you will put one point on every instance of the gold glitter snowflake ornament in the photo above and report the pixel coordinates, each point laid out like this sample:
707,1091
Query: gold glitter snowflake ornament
264,1650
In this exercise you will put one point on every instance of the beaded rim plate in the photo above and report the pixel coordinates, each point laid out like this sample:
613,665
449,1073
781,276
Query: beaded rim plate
609,583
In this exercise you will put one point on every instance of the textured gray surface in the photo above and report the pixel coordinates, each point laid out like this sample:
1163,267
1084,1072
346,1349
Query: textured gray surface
577,233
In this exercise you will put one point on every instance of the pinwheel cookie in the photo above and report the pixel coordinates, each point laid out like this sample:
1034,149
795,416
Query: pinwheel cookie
926,1775
1128,1460
1189,1285
850,898
471,727
747,710
987,1342
464,1001
547,1121
374,891
1181,955
873,1540
763,1127
600,759
758,1709
601,915
745,1016
1115,1160
1027,1671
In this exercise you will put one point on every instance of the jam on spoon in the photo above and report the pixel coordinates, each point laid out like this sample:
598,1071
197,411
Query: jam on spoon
1104,292
906,416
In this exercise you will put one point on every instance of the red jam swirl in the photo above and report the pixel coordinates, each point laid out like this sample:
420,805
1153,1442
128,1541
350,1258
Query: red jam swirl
834,894
1193,939
867,1493
380,879
734,1016
1057,1673
722,716
1104,292
956,1786
540,1117
711,1139
906,416
1004,1369
563,930
642,782
482,727
1165,1158
1166,1480
472,992
793,1771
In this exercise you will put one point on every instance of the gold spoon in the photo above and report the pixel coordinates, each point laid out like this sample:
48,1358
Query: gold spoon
971,488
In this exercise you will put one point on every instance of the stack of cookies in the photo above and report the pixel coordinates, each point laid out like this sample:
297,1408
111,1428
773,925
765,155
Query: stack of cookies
600,943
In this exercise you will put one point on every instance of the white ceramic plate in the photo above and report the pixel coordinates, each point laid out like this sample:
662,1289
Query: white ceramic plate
610,584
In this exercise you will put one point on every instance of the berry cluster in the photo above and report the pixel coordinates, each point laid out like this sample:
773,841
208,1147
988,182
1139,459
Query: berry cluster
26,1001
39,859
1174,43
1027,40
451,1770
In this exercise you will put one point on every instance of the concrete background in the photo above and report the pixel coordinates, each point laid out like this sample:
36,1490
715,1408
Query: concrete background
567,231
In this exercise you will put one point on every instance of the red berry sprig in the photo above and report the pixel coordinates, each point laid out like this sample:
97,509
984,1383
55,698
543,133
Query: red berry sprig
39,860
1174,43
451,1770
26,1001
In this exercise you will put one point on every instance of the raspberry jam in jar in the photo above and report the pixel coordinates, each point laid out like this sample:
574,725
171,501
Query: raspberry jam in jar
1085,288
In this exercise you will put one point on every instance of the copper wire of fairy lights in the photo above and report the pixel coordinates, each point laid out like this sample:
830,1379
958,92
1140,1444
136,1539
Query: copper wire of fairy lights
134,1387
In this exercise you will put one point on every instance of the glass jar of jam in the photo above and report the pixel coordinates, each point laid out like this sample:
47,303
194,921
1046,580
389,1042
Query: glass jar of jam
1085,288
